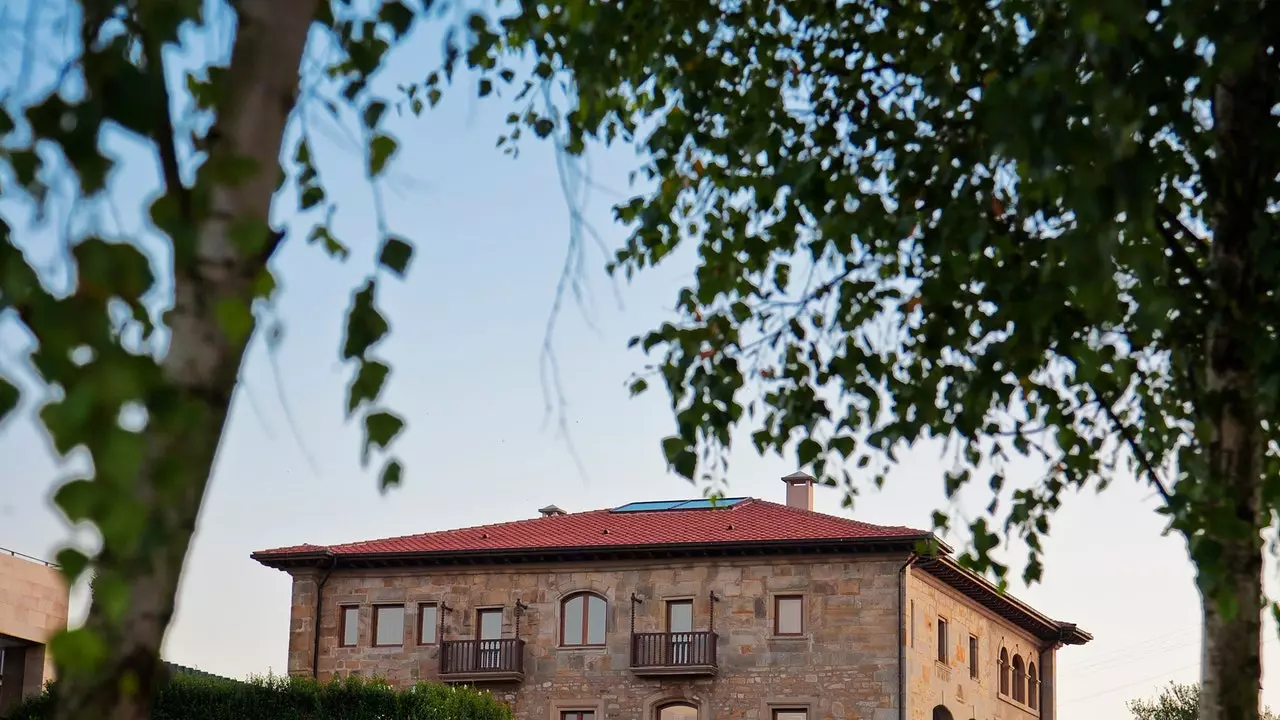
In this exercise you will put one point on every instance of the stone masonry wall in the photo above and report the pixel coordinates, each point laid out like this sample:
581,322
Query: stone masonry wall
33,607
843,668
931,683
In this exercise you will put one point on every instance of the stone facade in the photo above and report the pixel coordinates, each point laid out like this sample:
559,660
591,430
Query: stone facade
932,682
845,665
33,607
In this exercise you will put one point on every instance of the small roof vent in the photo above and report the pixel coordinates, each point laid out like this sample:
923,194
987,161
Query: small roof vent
551,511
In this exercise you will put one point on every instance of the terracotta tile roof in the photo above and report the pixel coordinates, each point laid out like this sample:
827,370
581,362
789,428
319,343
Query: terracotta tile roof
748,521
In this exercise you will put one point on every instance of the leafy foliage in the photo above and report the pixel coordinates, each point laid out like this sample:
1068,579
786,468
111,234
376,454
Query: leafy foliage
985,225
189,697
138,354
1022,229
1178,701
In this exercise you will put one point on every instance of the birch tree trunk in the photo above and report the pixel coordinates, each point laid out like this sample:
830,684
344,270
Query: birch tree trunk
1231,671
211,272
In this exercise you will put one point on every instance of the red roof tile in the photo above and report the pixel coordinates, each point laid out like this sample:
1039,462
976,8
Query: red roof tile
746,522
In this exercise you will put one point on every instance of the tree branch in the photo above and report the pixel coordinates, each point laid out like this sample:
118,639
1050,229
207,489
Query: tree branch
1127,433
1180,254
164,131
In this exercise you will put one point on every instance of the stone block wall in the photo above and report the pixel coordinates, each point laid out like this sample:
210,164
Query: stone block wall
844,666
33,607
931,683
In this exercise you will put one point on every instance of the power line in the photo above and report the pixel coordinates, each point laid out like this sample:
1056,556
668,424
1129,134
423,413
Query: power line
1162,675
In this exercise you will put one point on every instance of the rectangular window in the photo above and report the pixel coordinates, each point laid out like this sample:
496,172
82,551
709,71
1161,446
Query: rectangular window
428,623
348,625
489,624
942,640
679,616
791,714
788,615
577,715
973,657
911,631
388,625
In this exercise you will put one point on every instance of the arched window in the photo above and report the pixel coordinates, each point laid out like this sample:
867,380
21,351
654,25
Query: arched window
1019,679
582,620
1033,686
1004,672
942,713
678,711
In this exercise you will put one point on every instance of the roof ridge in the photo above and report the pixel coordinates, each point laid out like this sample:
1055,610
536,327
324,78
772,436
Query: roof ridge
808,511
486,526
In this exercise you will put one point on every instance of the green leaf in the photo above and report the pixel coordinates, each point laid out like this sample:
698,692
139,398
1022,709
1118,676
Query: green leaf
807,451
332,246
365,325
311,196
398,15
373,113
367,384
380,429
392,473
381,148
671,447
78,499
112,269
73,563
235,319
80,651
395,255
9,397
638,386
685,464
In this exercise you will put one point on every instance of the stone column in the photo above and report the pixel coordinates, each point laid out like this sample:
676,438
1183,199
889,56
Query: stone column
303,623
38,669
1049,683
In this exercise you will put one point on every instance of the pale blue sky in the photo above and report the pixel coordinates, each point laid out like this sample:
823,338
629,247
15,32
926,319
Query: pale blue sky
468,327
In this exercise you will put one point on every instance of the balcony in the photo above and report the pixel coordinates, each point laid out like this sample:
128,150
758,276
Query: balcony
477,661
690,653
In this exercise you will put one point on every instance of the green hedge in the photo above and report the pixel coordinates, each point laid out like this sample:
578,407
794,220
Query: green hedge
188,697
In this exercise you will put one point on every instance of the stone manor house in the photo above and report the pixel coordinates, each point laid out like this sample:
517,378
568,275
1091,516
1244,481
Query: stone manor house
680,610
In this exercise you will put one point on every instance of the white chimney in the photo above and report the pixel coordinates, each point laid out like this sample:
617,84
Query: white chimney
800,490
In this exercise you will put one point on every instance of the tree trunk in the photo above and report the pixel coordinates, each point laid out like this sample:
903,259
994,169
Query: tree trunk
202,363
1228,548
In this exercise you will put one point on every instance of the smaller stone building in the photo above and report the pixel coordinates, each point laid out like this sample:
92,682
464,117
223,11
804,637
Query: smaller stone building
33,607
679,610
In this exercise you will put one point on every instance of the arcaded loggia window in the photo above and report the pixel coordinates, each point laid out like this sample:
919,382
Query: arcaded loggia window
1004,672
1033,686
582,620
1019,679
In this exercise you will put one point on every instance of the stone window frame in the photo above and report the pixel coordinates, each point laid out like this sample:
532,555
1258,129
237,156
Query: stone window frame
560,618
943,631
664,622
342,624
804,614
770,704
373,624
650,705
595,705
477,610
975,646
435,626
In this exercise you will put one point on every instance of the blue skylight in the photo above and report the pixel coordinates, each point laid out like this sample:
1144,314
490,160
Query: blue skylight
700,504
